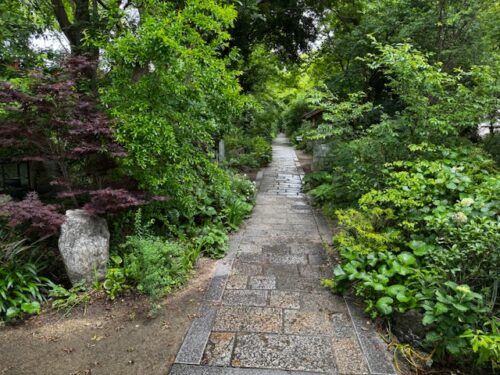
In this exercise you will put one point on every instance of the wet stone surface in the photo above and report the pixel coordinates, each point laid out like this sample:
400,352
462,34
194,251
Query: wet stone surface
273,317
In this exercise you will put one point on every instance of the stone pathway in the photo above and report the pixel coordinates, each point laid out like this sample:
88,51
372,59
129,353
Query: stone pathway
265,312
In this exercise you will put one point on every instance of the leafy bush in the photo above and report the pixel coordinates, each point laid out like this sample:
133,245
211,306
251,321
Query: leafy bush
20,290
115,282
486,345
262,149
315,179
157,266
243,188
322,193
491,143
239,203
21,286
212,242
428,240
244,152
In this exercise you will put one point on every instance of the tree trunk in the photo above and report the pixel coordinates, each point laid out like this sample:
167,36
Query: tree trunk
442,28
83,22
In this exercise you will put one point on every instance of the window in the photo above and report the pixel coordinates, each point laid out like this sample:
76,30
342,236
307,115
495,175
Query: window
14,176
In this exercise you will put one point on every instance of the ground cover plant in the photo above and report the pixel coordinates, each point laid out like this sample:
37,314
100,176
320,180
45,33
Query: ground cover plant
22,288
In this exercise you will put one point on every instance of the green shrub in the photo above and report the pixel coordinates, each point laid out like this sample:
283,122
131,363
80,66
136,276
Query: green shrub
244,152
20,290
239,203
243,188
486,345
115,282
262,150
21,286
212,242
243,162
491,143
428,240
322,193
157,266
315,179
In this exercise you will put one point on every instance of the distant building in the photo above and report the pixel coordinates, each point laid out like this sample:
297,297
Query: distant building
315,116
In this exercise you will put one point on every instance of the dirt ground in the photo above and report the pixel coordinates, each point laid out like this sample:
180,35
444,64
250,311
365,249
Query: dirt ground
305,160
108,338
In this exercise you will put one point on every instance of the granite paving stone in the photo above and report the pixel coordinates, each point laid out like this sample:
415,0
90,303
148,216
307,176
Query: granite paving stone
317,259
247,269
280,249
281,270
287,352
316,271
236,281
306,248
248,319
265,311
349,356
243,297
191,350
262,282
249,248
374,348
219,349
323,301
252,258
307,322
298,283
182,369
285,300
287,259
342,325
257,241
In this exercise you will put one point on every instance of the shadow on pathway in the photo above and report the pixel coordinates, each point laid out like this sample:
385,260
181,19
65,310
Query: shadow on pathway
265,312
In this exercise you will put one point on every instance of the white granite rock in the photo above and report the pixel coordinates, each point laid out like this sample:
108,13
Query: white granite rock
84,246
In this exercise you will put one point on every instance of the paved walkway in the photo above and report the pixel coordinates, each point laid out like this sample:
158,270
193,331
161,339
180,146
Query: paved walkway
265,311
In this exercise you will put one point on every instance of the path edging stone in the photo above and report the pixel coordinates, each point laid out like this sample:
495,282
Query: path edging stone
195,341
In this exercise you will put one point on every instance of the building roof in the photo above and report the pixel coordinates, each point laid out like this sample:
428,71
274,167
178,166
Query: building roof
313,113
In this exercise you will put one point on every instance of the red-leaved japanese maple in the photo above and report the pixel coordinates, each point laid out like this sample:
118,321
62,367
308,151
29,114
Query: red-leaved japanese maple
57,121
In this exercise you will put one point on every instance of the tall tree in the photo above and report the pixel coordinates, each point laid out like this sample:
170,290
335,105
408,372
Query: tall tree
287,27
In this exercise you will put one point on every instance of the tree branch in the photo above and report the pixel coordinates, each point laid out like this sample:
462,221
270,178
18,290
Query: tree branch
103,5
61,15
